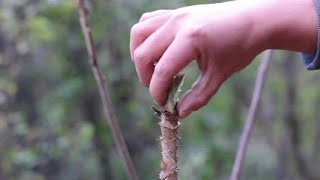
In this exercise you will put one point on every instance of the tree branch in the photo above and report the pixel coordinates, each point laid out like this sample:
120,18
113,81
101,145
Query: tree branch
104,92
244,139
169,126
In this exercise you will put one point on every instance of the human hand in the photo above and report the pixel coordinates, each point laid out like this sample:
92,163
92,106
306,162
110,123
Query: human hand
223,38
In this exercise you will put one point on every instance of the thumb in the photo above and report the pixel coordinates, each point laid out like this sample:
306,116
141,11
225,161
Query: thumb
198,96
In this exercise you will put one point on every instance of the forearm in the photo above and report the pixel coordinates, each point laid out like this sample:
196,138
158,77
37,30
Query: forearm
286,24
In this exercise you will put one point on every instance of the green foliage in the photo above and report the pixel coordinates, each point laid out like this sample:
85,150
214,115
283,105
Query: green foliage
40,29
52,126
8,86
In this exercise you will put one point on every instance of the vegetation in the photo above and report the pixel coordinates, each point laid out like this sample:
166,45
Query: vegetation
52,124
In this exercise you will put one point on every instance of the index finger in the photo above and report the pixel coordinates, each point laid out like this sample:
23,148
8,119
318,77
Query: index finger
178,55
141,31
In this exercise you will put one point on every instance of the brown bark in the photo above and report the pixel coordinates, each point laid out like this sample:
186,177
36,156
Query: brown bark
104,93
169,126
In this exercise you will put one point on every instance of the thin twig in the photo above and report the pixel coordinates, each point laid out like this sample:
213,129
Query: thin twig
244,139
104,92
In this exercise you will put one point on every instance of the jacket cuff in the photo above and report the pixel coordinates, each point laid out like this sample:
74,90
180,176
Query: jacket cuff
312,61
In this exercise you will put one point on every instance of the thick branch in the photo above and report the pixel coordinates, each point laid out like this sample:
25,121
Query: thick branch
104,93
244,139
169,126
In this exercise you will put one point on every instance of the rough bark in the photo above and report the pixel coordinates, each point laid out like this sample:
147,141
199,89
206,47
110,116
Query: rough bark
169,125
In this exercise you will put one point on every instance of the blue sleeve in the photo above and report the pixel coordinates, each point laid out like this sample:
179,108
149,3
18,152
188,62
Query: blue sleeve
312,61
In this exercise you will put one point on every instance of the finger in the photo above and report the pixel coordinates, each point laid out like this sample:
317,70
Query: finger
199,95
176,57
141,31
149,15
151,50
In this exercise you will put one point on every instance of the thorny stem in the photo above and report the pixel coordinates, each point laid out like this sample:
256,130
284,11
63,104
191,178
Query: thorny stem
104,93
169,125
244,139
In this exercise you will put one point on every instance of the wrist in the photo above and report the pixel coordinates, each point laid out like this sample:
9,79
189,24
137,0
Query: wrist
286,24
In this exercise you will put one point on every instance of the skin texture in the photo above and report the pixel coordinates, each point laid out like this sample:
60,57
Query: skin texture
222,38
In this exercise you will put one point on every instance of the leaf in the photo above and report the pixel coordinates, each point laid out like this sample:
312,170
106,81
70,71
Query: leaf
174,92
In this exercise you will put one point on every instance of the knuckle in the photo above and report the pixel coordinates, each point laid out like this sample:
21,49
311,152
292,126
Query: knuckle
177,18
195,33
179,15
195,36
151,14
160,70
139,56
136,30
202,100
144,16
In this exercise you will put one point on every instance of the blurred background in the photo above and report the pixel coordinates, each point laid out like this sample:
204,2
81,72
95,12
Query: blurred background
51,122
